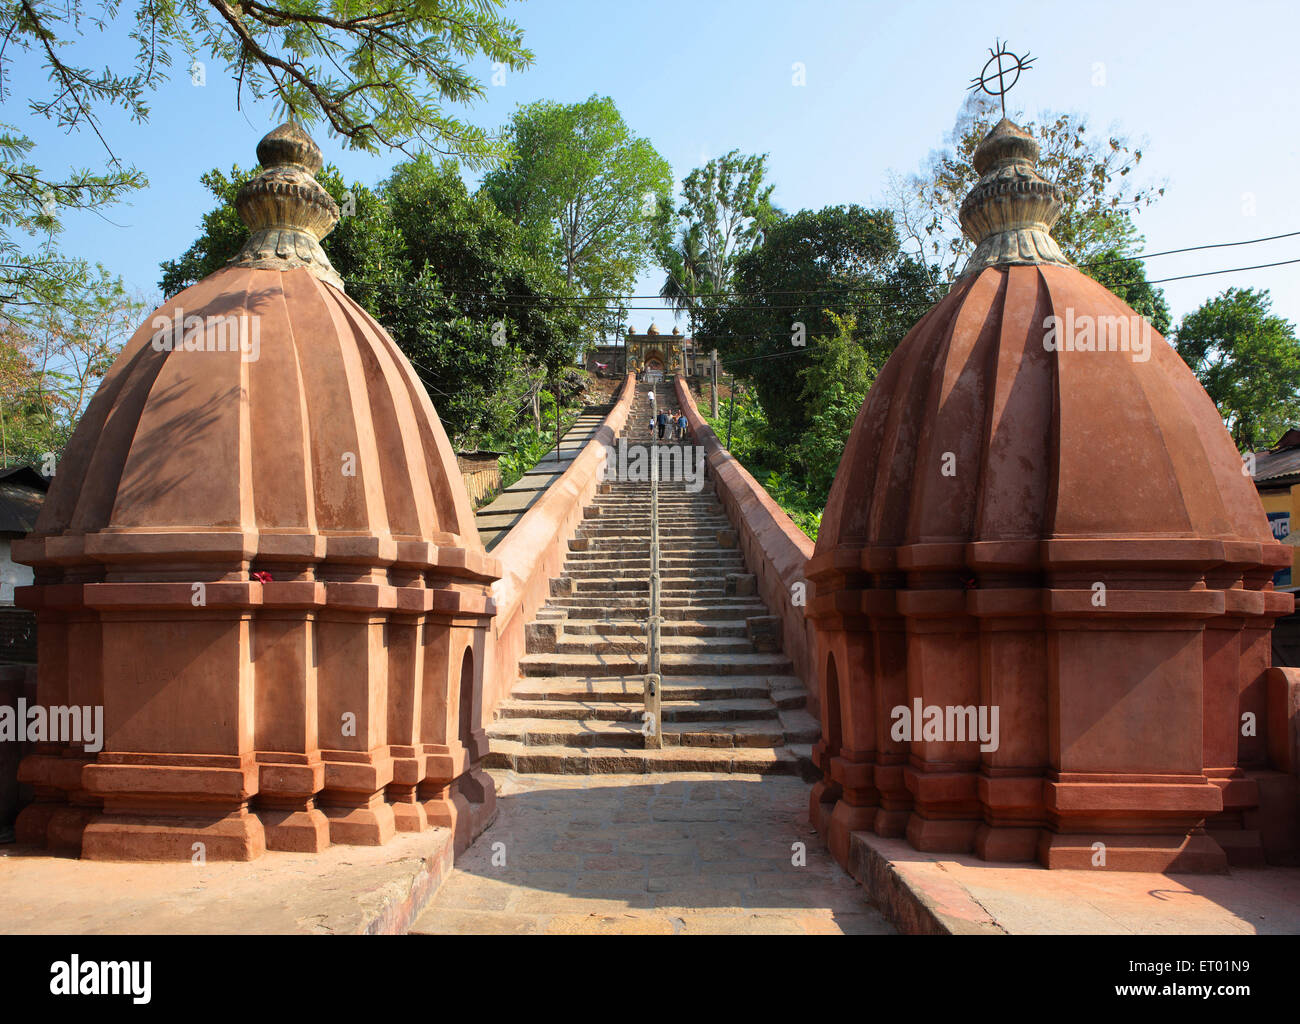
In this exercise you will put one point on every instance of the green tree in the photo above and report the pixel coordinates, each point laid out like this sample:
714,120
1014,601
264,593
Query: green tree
588,193
1248,360
686,277
839,374
841,259
1127,278
485,323
50,369
727,207
379,74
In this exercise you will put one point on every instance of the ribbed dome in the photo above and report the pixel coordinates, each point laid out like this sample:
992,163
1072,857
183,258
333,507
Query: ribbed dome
260,403
1030,404
264,445
1044,444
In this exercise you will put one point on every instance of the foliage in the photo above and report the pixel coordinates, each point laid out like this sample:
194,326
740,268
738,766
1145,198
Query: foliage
524,447
589,194
757,449
49,371
841,259
1127,279
1248,360
446,274
1095,178
726,209
836,382
377,74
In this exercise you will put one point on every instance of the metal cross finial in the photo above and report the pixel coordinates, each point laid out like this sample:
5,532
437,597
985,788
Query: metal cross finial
1011,70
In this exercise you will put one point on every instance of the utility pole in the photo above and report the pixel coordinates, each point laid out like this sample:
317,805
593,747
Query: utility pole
731,410
715,383
556,391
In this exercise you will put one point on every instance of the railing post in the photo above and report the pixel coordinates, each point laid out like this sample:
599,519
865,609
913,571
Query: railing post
652,695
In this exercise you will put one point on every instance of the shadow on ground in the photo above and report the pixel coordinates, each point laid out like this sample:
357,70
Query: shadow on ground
679,854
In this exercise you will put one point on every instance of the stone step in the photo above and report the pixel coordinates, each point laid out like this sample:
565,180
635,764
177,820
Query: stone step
723,561
672,627
686,545
690,664
638,541
617,760
722,564
614,643
546,732
714,567
693,556
630,711
628,491
670,608
578,709
636,524
783,689
697,585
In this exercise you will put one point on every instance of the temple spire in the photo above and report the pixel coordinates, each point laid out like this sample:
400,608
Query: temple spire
1009,214
286,209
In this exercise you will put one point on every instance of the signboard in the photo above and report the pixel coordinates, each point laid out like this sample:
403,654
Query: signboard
1280,523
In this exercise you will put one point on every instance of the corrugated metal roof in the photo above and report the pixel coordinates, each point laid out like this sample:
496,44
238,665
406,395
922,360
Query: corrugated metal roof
1283,459
22,492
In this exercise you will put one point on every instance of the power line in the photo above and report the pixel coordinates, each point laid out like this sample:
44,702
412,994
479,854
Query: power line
1230,270
612,301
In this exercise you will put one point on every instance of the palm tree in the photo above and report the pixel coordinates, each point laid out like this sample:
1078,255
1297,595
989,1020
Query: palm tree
689,276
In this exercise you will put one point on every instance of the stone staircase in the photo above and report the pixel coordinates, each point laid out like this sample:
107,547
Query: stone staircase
730,700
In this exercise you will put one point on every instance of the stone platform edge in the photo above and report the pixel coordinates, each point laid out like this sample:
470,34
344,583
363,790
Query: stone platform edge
399,912
912,890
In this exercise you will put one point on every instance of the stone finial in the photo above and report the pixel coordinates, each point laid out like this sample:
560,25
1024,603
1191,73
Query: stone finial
1010,213
286,209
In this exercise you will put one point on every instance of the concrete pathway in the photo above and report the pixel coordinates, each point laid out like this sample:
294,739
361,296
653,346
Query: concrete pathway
674,854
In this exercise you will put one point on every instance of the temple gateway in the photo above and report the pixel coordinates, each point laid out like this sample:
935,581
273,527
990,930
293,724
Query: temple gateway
652,356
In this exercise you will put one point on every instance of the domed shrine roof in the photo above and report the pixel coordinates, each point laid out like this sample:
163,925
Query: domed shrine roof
260,416
1030,405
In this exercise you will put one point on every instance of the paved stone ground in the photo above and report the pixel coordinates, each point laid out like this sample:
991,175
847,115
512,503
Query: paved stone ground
344,890
673,854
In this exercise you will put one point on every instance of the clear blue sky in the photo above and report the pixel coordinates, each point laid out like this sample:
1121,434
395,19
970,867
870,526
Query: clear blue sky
1210,88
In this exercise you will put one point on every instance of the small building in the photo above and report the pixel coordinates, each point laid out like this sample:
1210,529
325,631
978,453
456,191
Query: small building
652,356
22,492
1277,477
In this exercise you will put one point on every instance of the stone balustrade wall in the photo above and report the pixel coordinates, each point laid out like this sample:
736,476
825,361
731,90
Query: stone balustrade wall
775,549
535,549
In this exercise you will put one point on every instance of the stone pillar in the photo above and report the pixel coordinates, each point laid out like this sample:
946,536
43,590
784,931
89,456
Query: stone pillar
70,673
175,784
1127,778
1013,680
291,773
